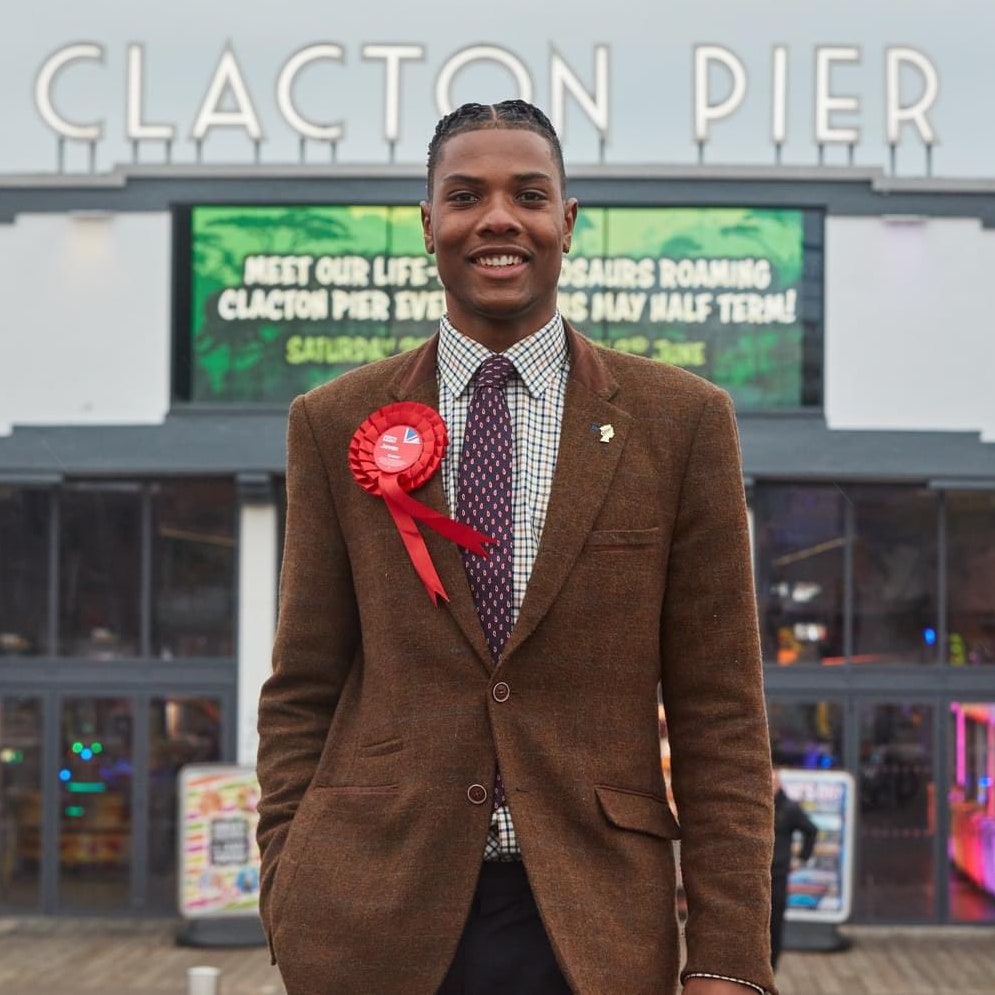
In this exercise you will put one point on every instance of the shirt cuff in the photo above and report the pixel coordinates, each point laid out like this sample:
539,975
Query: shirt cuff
722,977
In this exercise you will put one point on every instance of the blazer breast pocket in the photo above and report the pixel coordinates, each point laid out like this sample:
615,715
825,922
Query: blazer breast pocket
623,540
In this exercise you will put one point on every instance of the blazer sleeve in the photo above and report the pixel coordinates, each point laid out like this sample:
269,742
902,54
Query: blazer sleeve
712,685
316,642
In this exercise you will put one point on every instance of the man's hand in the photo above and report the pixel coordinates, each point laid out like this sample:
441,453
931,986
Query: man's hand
714,986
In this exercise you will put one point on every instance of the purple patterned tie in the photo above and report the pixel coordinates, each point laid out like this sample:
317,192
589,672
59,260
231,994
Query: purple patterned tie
484,502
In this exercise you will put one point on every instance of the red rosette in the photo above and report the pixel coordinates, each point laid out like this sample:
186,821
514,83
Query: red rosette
397,450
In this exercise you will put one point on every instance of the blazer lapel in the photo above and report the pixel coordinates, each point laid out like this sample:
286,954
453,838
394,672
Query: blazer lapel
418,382
585,467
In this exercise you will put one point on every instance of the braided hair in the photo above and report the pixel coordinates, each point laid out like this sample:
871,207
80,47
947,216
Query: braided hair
507,114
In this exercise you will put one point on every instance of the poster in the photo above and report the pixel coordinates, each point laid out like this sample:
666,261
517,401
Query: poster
822,890
218,858
282,299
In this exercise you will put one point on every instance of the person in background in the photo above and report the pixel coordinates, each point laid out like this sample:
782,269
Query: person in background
789,818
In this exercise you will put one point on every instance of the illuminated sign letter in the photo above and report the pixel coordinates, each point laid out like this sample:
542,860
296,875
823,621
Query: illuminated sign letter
43,92
227,76
562,78
392,56
779,95
705,111
285,93
480,53
915,112
137,130
826,104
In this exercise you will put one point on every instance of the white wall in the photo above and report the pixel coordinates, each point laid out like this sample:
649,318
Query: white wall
910,324
85,319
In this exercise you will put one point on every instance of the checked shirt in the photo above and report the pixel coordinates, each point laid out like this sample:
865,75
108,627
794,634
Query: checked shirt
535,396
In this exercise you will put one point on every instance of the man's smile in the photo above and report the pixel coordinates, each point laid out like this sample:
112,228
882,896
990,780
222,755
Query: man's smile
500,259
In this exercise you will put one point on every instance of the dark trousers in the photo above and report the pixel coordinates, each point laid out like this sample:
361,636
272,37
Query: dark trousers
504,948
778,903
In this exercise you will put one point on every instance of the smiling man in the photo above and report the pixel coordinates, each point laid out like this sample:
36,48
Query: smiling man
467,798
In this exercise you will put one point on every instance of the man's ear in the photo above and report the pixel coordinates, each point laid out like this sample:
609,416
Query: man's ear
426,227
569,220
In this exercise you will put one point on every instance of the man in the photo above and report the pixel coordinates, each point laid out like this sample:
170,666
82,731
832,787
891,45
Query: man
789,818
468,797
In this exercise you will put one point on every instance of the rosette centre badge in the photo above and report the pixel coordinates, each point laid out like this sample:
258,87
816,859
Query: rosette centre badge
396,450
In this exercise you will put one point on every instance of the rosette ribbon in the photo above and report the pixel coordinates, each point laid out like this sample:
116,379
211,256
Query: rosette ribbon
396,450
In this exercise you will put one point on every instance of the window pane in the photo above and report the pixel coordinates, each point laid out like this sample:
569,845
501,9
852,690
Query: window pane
24,522
897,804
95,774
895,574
194,556
800,542
20,802
808,735
100,582
971,577
181,731
972,812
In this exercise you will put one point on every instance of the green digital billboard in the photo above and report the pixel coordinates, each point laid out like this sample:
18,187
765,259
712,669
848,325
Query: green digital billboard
282,298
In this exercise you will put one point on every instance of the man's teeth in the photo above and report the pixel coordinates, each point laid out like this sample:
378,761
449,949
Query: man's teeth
499,260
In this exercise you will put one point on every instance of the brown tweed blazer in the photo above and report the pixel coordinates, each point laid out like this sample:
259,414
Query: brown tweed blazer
379,714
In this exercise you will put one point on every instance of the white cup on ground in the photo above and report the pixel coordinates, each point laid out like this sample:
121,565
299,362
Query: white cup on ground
203,981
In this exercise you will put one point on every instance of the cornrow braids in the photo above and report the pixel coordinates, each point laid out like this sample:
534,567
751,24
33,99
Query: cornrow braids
507,114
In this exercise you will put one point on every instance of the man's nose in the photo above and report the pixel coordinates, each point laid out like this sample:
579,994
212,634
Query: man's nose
499,215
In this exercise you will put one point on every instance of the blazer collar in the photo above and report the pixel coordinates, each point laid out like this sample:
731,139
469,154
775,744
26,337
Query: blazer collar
586,368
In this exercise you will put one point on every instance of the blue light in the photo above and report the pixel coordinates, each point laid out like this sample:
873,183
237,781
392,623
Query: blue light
65,775
825,762
86,753
929,636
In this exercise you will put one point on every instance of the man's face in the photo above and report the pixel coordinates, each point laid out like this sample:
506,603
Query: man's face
498,225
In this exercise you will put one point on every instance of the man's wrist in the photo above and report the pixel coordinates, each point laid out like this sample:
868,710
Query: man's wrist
701,983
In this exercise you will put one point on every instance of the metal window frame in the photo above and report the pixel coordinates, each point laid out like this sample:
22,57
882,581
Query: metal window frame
52,679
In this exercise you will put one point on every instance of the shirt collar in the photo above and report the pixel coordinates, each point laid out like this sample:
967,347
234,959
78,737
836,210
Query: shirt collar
536,358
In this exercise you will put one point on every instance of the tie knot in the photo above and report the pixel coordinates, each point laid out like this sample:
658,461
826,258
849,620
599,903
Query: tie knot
495,371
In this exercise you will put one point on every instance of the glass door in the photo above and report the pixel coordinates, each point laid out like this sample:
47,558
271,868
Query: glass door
96,775
971,849
897,825
20,802
182,730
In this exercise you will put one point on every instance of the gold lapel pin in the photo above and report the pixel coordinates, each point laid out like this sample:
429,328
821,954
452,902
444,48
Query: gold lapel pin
607,433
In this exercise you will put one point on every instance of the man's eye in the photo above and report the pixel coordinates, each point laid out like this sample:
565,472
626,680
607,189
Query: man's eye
462,197
532,196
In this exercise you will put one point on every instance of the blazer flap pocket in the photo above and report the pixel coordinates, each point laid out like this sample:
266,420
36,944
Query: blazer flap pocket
381,748
623,538
638,811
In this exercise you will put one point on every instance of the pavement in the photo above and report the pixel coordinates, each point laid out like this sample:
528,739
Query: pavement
47,956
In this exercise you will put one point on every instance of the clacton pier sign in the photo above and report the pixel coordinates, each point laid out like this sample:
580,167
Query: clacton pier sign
867,83
228,102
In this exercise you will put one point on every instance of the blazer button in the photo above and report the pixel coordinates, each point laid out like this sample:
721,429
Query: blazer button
501,692
477,793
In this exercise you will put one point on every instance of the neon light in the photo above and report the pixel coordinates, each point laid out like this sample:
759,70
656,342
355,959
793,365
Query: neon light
87,787
87,754
65,775
75,811
77,747
929,636
960,732
97,747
